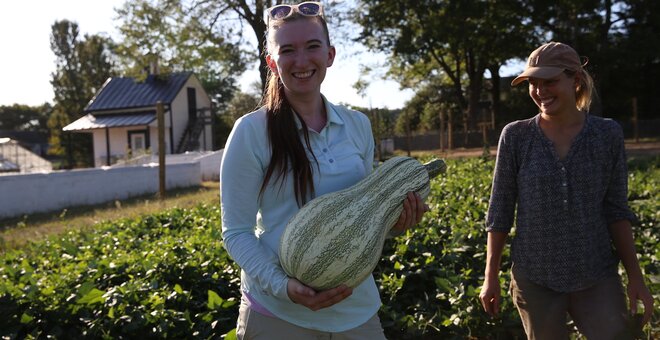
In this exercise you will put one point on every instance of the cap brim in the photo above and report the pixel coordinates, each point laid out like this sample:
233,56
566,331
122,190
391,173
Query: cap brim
544,72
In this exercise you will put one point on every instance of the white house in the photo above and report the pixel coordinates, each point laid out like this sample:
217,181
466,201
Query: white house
122,117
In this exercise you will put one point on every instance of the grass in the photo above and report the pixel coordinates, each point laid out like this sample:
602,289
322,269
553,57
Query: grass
18,231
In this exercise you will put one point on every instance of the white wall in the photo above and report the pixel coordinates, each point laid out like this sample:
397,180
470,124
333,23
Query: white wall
209,162
31,193
180,106
210,165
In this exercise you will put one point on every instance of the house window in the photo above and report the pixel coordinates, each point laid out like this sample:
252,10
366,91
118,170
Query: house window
138,140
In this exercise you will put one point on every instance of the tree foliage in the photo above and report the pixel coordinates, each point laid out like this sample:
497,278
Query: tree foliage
451,39
173,34
82,65
19,117
457,41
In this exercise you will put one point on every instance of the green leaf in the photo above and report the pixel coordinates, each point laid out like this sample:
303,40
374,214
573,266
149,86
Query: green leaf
231,335
26,318
178,289
214,300
94,296
228,303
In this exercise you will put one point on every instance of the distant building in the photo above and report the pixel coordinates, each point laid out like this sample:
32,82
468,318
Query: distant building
36,142
15,158
122,117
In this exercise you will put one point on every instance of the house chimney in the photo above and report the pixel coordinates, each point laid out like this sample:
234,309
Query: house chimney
153,66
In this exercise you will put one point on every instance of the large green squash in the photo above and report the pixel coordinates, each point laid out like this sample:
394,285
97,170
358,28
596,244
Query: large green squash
338,238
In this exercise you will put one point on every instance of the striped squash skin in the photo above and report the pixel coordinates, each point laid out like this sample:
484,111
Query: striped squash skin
338,238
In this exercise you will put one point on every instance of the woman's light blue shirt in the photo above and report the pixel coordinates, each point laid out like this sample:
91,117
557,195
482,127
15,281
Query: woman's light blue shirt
251,228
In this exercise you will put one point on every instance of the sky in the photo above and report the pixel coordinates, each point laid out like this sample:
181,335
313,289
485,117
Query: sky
27,62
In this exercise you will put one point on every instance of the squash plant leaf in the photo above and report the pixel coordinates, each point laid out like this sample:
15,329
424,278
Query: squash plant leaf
231,335
94,296
214,301
26,318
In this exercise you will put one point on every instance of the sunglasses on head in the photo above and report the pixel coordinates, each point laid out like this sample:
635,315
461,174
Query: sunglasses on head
307,8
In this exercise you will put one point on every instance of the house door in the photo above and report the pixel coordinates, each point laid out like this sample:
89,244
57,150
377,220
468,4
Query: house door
192,105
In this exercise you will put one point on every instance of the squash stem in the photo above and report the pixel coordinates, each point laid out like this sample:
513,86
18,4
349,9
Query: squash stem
435,167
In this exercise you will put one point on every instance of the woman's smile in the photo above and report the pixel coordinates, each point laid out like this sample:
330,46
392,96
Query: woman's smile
303,75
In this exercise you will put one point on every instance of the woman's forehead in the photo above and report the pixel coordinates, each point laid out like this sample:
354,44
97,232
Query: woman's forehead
296,32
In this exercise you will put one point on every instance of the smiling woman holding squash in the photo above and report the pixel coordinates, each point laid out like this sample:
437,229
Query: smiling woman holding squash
296,147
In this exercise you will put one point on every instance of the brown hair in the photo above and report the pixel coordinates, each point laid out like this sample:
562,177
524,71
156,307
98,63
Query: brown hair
287,150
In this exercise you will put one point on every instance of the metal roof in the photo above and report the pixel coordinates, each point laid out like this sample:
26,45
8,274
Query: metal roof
123,93
8,166
91,122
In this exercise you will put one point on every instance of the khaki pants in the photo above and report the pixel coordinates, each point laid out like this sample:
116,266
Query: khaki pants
255,326
599,312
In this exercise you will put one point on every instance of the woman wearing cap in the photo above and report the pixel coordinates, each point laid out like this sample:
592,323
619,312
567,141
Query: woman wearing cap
563,175
297,146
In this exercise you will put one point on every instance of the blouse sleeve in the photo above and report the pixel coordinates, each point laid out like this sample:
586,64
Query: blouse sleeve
241,174
616,197
504,192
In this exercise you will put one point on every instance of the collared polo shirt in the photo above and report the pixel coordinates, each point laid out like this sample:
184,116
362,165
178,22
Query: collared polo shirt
251,227
562,208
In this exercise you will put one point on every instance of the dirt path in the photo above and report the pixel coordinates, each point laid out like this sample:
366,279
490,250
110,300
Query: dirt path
632,150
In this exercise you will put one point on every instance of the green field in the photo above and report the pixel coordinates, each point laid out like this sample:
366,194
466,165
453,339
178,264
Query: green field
167,275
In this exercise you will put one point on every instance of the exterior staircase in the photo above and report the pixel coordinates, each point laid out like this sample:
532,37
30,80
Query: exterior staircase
190,139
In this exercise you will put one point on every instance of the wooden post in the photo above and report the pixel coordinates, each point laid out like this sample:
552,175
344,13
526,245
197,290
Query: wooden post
408,146
450,132
635,121
442,130
160,114
484,132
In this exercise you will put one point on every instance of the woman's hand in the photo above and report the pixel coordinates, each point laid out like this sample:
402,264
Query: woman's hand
490,296
411,215
637,290
308,297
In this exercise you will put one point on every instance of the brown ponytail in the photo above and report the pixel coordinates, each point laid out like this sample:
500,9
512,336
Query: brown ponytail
286,147
287,150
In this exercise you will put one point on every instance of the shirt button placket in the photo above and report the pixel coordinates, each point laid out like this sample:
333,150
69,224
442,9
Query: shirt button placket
564,187
327,154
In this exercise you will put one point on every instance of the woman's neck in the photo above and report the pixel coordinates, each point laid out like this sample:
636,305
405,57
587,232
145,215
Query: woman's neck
564,119
311,110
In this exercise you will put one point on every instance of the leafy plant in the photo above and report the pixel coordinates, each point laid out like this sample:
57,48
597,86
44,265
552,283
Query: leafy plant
167,275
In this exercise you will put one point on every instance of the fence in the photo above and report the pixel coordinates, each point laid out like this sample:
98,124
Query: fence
209,162
475,139
43,192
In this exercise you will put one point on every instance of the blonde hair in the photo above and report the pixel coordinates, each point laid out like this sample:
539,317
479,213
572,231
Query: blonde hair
585,91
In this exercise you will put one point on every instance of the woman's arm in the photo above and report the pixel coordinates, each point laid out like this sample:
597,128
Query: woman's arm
499,219
621,233
490,291
241,175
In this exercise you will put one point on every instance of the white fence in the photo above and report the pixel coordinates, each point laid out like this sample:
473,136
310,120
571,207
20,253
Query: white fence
209,162
32,193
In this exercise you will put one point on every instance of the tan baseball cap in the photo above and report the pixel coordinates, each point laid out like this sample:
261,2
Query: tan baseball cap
549,61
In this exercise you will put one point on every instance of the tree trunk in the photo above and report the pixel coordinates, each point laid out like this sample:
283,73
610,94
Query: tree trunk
495,94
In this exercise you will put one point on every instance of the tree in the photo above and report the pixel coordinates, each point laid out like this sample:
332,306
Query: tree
25,118
81,67
621,39
173,34
455,39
